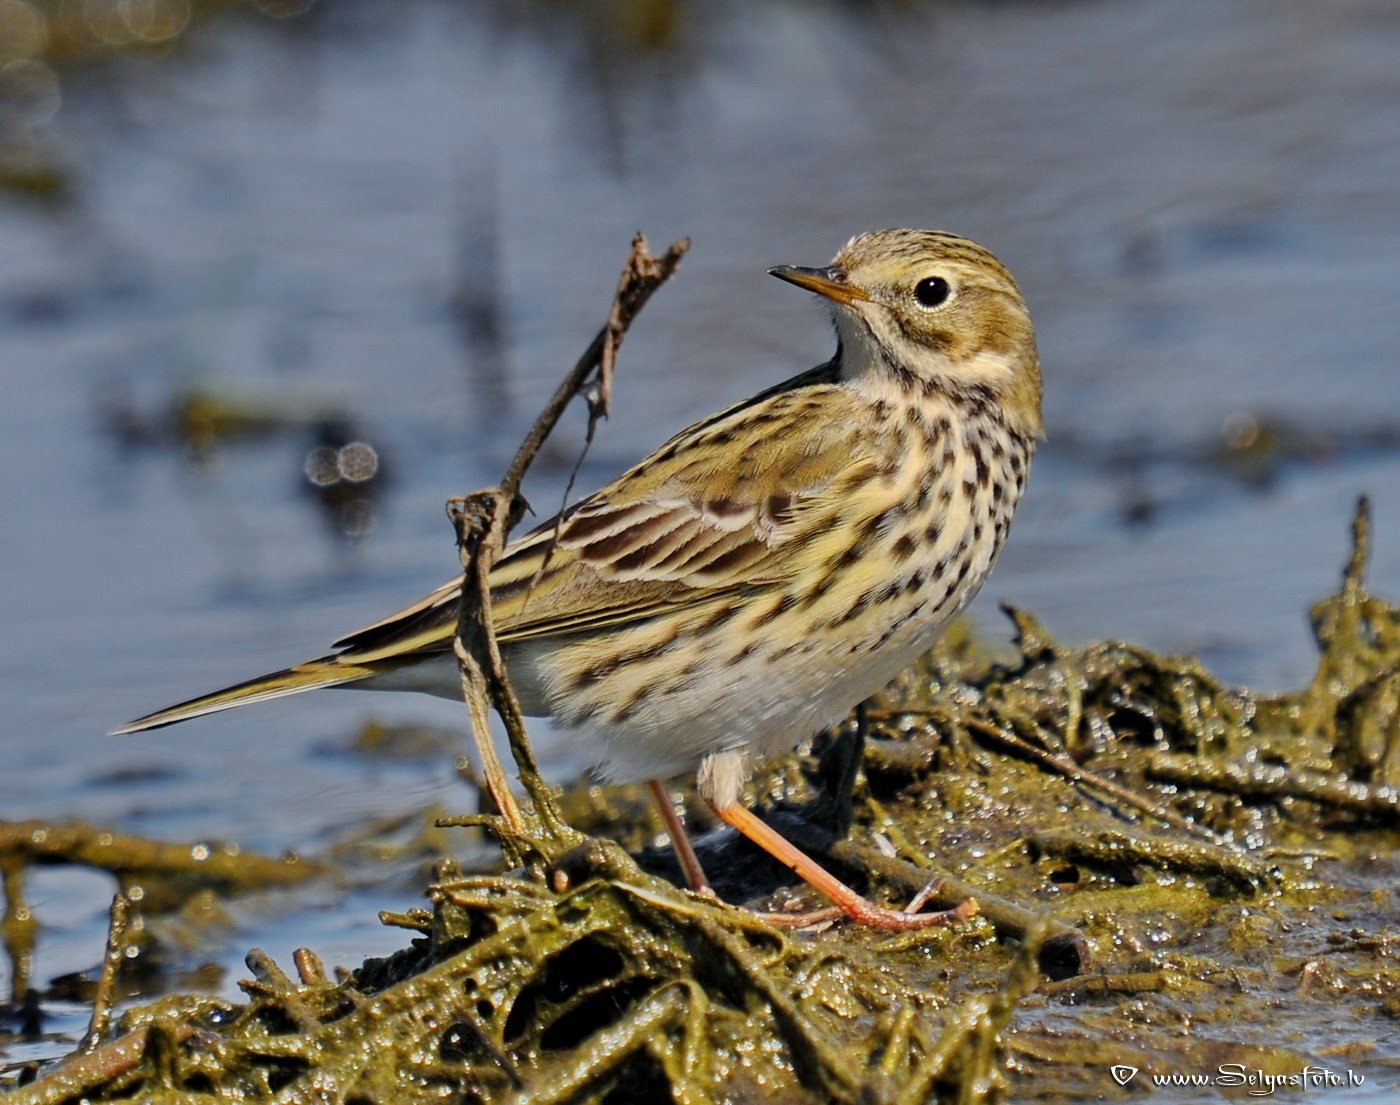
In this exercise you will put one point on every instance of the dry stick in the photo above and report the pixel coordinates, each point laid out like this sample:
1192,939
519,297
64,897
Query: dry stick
483,519
474,519
105,996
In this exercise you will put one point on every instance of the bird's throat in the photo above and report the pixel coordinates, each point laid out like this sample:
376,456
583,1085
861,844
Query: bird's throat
881,371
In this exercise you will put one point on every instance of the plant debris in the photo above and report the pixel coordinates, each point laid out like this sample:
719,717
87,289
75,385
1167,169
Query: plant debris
1156,857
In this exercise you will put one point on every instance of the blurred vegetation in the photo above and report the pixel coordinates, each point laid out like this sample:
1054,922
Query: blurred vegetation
41,41
607,46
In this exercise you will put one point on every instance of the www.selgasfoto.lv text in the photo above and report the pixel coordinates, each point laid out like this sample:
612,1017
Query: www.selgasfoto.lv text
1261,1083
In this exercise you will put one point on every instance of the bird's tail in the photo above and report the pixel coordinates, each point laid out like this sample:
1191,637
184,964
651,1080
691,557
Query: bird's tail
328,671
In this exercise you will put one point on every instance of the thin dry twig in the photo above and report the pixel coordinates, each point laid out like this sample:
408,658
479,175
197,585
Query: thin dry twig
484,682
483,519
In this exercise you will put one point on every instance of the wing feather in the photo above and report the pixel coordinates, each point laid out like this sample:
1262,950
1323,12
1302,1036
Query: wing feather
679,529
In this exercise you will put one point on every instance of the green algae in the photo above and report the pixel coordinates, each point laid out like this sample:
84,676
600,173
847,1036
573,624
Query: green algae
165,879
1172,875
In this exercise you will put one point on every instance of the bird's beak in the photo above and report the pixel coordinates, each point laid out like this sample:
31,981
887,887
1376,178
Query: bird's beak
830,282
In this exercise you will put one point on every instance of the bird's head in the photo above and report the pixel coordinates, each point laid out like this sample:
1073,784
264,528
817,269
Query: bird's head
931,309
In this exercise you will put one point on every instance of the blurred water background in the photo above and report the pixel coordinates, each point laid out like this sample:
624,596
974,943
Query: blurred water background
235,239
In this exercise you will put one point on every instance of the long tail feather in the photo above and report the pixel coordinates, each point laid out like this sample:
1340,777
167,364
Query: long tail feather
324,672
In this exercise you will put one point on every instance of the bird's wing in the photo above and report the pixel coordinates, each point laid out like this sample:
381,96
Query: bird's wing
720,509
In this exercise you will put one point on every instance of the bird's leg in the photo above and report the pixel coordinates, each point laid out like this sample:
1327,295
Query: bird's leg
852,904
839,767
680,840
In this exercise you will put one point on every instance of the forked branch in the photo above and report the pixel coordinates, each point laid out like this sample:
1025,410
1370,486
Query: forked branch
483,520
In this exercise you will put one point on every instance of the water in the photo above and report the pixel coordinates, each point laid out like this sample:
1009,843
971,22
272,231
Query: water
1198,200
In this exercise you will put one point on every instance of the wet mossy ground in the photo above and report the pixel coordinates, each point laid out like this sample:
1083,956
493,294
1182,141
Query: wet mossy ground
1171,875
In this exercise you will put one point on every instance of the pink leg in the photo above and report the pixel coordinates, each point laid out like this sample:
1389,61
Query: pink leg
685,853
852,904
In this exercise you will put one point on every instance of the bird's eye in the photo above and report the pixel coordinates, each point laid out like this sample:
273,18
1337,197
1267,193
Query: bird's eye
931,291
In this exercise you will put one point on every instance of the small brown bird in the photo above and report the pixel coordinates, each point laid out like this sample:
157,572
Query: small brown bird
768,567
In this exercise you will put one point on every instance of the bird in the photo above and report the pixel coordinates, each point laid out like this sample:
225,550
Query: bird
767,568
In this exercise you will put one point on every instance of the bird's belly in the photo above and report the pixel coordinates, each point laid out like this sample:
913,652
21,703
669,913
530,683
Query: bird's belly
677,697
760,703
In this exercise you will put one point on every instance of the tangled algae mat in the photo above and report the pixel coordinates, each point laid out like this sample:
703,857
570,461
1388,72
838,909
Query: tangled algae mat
1171,876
